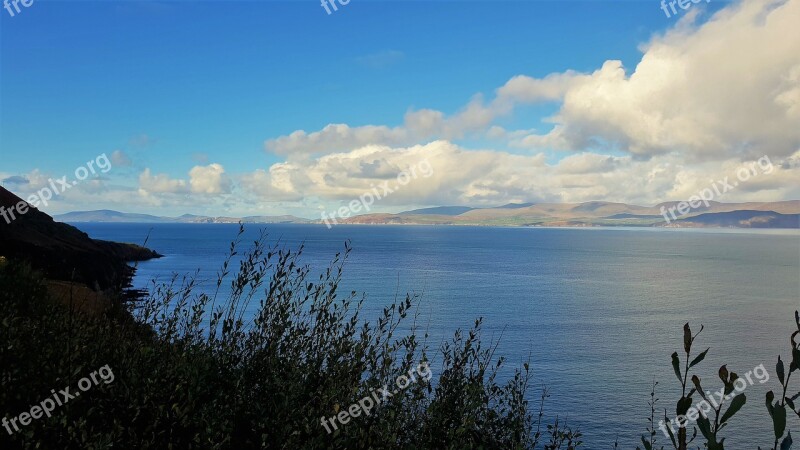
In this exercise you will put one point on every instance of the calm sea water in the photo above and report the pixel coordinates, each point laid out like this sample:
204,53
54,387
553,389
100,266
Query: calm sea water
598,311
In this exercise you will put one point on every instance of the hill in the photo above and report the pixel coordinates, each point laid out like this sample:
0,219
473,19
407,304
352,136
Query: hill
741,219
586,214
107,216
440,210
591,214
62,252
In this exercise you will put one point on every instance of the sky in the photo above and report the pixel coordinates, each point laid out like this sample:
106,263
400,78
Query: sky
278,107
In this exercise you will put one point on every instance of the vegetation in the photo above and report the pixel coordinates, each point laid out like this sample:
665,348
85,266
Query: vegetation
261,361
193,371
719,410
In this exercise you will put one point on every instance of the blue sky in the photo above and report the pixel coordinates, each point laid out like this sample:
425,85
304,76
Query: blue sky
175,85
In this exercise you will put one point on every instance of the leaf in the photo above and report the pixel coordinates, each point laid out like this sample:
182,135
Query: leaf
730,385
676,365
736,405
683,405
696,382
723,374
646,444
796,357
712,445
780,369
669,431
770,398
779,419
787,443
687,338
699,358
705,427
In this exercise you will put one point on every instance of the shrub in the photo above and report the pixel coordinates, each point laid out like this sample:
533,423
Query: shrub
256,367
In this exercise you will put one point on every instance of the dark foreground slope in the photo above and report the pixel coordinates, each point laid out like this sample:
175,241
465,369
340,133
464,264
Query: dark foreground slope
63,252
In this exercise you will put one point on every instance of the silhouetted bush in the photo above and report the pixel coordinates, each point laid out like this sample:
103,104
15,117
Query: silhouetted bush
718,411
257,367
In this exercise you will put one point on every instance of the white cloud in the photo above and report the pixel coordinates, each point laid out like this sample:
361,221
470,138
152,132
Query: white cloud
525,89
588,163
209,179
489,178
730,86
335,137
160,183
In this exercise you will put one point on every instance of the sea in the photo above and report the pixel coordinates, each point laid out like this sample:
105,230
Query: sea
596,311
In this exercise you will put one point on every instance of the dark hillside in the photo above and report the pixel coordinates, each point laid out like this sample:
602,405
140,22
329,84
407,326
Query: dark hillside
61,251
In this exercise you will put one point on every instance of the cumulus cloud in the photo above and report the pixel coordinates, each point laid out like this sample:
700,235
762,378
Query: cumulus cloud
525,89
282,182
336,137
427,124
209,179
729,86
160,183
489,178
588,163
345,175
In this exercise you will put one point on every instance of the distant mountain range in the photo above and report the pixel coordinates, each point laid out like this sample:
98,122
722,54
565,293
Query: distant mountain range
116,216
784,214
